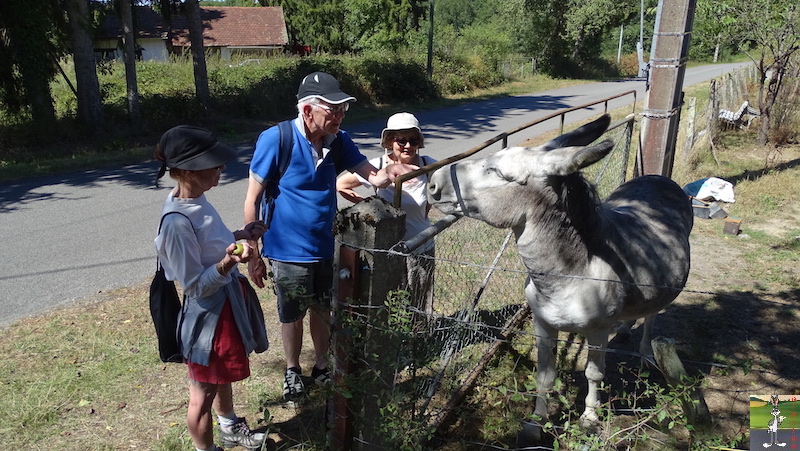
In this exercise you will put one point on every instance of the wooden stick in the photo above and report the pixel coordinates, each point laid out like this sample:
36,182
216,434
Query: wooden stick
695,408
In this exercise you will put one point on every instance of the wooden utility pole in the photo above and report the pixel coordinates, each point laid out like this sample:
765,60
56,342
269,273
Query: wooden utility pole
661,115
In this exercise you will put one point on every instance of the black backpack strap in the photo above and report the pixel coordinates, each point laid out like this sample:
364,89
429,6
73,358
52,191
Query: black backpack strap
426,161
285,154
336,152
161,223
286,130
170,213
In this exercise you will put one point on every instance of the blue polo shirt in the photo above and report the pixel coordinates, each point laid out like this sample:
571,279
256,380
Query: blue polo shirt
301,230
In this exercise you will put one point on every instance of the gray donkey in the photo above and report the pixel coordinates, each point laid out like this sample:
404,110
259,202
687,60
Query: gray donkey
591,264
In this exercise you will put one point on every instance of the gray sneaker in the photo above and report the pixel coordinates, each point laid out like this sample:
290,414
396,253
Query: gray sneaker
241,435
293,388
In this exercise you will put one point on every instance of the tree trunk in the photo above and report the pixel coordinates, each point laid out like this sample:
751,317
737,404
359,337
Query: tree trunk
26,41
90,106
576,46
129,54
198,53
768,101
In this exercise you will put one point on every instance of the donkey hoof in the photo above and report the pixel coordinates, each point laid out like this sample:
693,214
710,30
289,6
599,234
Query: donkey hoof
589,420
530,435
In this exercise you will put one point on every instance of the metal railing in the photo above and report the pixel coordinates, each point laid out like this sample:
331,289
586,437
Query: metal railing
398,183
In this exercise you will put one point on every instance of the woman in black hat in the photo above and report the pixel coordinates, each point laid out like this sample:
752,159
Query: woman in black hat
198,251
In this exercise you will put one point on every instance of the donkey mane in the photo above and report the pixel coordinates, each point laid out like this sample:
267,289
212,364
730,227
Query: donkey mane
578,202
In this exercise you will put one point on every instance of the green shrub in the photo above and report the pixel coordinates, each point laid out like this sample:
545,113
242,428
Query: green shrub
260,91
629,65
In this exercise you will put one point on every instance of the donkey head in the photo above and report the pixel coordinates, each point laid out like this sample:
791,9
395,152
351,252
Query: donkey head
504,188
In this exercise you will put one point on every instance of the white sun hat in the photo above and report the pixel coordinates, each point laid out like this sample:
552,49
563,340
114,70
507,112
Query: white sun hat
401,121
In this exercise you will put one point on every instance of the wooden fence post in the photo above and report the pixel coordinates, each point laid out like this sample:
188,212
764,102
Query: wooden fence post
691,114
366,276
669,363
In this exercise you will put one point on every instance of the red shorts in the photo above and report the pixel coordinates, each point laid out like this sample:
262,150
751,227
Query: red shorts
228,361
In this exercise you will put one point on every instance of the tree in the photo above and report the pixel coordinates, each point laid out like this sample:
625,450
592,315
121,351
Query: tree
90,106
30,43
340,26
380,25
193,13
772,27
589,20
125,12
537,27
458,13
711,31
229,3
194,16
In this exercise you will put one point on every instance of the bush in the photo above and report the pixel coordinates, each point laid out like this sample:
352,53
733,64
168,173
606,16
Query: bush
262,91
629,65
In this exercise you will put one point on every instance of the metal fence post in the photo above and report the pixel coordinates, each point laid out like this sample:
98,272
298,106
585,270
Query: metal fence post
366,276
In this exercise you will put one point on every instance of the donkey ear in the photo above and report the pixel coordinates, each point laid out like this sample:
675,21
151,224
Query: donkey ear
581,136
593,154
566,160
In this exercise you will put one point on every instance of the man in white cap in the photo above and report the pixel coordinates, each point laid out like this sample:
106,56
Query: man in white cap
299,242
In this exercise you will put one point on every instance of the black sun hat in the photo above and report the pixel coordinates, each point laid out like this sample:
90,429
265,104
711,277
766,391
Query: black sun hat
323,86
193,149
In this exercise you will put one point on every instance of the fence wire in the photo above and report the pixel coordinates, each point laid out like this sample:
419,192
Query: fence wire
479,285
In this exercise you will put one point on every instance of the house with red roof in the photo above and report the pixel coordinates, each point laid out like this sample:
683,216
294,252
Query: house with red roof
233,30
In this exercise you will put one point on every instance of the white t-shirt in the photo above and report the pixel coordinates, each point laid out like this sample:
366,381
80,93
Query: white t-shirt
414,200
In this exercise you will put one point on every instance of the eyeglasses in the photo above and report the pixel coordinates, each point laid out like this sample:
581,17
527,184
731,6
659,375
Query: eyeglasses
338,109
403,141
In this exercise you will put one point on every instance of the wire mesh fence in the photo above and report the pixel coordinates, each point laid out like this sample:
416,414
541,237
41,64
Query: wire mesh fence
518,67
478,303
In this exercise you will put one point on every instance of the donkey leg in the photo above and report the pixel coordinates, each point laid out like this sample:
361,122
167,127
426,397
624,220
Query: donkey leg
595,371
531,433
645,346
623,329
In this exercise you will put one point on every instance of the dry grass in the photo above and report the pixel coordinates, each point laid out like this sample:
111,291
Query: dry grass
88,377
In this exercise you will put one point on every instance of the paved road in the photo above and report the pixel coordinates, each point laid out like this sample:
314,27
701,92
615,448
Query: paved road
68,237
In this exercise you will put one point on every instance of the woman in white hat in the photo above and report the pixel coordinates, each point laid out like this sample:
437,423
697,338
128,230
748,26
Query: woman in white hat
401,140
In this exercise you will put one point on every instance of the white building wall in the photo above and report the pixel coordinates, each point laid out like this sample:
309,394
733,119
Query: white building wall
153,50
